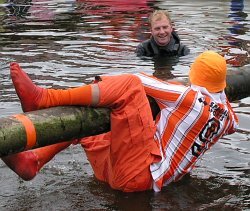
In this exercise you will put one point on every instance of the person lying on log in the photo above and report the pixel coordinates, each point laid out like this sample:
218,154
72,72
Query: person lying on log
164,41
138,153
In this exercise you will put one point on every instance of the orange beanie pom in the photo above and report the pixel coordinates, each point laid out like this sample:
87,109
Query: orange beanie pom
209,70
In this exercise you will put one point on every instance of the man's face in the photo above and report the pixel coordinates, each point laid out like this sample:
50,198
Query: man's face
161,30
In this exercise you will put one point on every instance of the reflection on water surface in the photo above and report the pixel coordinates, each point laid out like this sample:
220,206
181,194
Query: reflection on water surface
66,43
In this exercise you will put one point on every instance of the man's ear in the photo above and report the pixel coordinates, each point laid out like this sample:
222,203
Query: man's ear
173,26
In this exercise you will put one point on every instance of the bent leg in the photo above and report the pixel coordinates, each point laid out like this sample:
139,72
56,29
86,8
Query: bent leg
126,159
27,164
33,97
97,149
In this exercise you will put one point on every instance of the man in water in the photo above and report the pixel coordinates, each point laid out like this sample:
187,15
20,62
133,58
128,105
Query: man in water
138,153
164,40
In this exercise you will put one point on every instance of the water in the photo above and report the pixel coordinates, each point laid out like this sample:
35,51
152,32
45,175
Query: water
66,43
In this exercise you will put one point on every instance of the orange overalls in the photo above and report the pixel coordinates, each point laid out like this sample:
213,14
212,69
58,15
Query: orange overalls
122,156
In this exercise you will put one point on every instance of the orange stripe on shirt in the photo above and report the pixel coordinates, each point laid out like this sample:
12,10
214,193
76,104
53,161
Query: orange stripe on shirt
29,129
161,94
199,125
176,117
186,145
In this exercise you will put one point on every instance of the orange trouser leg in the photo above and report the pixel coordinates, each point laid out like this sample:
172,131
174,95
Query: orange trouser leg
122,157
97,149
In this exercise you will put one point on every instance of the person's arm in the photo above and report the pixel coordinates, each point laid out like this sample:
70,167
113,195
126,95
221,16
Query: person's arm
159,89
235,123
183,50
140,51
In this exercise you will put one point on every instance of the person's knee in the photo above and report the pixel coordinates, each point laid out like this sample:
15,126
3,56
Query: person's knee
135,80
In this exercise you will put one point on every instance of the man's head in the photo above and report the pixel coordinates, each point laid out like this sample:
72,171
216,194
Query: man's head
209,70
161,27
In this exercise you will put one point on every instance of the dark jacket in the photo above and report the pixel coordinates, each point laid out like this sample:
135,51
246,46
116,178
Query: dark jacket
173,48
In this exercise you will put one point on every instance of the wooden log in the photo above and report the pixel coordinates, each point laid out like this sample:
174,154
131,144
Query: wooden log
52,126
238,85
58,124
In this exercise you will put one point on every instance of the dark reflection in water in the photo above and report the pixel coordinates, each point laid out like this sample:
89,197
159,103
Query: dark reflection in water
238,17
66,43
163,67
238,49
18,10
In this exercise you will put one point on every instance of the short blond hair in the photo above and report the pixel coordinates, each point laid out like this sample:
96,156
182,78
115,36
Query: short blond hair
158,14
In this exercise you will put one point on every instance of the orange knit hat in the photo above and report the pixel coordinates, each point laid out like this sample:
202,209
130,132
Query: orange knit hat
209,70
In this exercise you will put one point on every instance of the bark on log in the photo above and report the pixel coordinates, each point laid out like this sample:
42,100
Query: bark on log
58,124
52,126
238,85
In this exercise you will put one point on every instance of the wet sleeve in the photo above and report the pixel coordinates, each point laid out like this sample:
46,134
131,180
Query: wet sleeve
235,121
159,89
184,50
140,51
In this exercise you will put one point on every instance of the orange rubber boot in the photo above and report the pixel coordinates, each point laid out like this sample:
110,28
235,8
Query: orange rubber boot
33,97
24,164
27,164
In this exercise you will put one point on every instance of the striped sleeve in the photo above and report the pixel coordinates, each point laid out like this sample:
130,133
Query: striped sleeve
161,90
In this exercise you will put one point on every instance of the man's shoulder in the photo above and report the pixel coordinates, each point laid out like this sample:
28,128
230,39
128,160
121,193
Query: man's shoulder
143,48
182,49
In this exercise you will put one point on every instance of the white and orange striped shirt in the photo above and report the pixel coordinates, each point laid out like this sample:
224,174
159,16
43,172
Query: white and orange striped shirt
191,120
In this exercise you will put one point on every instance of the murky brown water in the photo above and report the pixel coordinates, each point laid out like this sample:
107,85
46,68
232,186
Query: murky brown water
65,43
